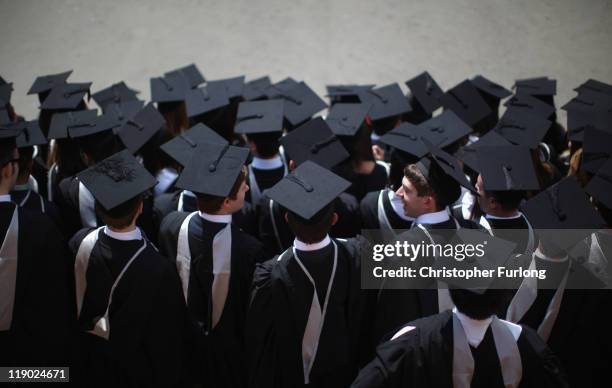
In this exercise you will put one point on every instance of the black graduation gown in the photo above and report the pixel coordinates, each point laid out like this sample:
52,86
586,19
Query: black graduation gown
222,348
265,179
369,212
507,229
424,358
34,203
580,336
348,225
68,204
149,326
43,312
366,183
165,204
282,296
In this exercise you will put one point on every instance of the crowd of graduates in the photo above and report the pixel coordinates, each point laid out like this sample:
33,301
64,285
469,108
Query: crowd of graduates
212,237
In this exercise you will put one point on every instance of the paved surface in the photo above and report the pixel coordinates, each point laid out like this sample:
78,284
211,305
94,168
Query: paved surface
321,42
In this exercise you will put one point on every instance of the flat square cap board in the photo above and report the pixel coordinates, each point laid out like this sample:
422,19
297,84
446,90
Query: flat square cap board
233,86
345,93
183,146
523,128
301,103
30,135
387,101
123,111
596,149
468,154
507,168
264,116
114,94
205,99
426,91
139,129
5,93
66,96
213,169
539,86
314,141
170,88
280,87
117,179
600,186
308,189
595,86
347,119
62,122
189,73
98,125
490,88
7,143
256,89
449,164
47,82
465,100
529,104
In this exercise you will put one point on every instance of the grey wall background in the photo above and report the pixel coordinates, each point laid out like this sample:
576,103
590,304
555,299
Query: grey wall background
319,41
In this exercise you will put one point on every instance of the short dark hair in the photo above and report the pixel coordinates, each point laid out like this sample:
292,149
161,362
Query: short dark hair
431,185
120,216
267,144
313,230
508,200
480,306
25,158
99,146
212,203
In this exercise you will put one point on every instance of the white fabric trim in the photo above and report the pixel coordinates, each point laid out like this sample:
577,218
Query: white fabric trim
267,164
218,218
302,246
134,234
403,331
374,137
540,255
433,218
165,178
513,217
87,207
5,198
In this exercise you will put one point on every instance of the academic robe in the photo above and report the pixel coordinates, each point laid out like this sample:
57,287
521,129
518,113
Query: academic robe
167,203
150,335
362,184
423,357
27,198
69,206
369,211
221,348
279,311
275,234
264,180
43,314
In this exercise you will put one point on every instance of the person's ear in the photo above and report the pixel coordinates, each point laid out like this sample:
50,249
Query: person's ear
7,171
334,218
291,165
286,217
252,146
141,207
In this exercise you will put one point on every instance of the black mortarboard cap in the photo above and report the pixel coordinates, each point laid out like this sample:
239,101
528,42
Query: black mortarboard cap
4,116
280,87
347,119
444,129
539,86
31,134
259,117
45,83
507,168
6,90
522,128
596,149
525,103
468,154
589,101
595,86
170,88
563,205
62,122
8,143
206,99
66,96
189,73
490,88
314,141
426,92
465,100
600,186
114,94
345,93
116,179
301,103
256,89
98,125
308,189
387,101
139,129
183,146
213,169
449,164
123,111
233,86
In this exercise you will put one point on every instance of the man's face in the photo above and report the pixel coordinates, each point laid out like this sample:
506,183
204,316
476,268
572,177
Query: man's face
414,205
234,205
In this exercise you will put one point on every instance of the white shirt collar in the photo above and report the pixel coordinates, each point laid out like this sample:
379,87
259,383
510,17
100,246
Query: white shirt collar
189,193
433,218
5,198
475,329
513,217
134,234
302,246
398,206
165,178
218,218
374,137
267,164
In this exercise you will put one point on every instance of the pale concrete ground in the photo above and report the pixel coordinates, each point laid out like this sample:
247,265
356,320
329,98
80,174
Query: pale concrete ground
321,42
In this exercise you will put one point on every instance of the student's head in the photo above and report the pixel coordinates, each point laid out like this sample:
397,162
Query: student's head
213,204
498,202
316,228
175,115
399,161
9,165
25,164
97,147
264,145
420,194
121,216
479,305
382,126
